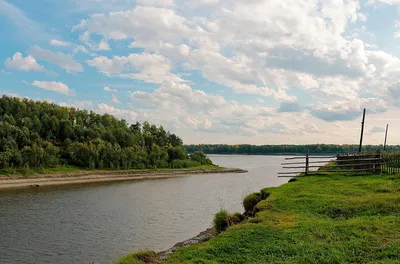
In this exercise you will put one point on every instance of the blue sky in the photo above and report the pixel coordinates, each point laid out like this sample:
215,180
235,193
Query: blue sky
212,71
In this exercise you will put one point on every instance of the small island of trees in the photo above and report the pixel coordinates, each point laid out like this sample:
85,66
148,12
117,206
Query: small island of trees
44,135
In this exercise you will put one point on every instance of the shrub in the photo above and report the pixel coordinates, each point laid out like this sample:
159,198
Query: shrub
250,202
221,221
139,257
26,169
200,157
265,193
178,164
236,218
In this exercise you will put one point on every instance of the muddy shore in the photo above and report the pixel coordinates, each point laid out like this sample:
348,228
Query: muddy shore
9,182
203,236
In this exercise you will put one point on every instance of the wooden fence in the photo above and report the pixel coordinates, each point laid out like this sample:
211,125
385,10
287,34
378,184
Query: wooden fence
391,163
372,163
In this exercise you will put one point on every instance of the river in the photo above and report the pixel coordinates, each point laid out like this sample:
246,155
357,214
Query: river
97,223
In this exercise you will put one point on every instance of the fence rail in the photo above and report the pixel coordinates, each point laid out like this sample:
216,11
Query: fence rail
374,163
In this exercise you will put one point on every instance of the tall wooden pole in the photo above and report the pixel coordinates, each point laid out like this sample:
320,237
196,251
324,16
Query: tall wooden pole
307,161
384,145
362,132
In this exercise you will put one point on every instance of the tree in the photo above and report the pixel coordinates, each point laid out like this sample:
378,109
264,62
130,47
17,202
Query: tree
41,134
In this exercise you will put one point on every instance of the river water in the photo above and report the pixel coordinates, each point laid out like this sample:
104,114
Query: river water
97,223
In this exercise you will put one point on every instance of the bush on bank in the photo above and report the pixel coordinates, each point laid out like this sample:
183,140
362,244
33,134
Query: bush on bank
140,257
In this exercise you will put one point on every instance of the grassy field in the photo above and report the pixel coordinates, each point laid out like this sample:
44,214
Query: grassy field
72,169
327,218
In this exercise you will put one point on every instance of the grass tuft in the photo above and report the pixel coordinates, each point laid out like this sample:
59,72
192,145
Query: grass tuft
221,221
140,257
250,202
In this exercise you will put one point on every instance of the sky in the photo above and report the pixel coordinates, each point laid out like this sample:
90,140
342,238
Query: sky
213,71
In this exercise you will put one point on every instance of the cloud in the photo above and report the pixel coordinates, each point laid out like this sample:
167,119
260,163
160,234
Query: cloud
115,99
18,62
84,6
80,48
269,57
143,23
147,67
103,45
389,2
54,86
184,107
65,61
59,43
312,128
199,3
241,47
77,104
5,72
347,110
377,129
131,116
155,2
108,89
363,17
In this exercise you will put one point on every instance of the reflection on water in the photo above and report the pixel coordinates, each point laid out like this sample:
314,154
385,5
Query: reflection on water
98,223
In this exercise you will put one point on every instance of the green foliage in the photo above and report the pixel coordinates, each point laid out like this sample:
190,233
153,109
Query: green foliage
327,218
250,202
140,257
285,149
265,193
236,218
198,156
179,164
221,221
43,135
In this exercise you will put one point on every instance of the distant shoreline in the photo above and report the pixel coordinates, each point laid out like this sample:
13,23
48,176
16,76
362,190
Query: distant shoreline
12,182
271,154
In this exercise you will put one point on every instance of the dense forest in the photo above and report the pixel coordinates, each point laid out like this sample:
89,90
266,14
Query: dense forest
285,149
44,135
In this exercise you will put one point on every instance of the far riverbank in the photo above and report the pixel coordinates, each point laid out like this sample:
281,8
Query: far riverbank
9,182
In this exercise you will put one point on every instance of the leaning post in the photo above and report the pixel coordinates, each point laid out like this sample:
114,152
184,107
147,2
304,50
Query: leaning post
362,131
384,145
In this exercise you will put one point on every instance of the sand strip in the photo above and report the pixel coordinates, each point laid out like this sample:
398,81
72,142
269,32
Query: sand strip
86,177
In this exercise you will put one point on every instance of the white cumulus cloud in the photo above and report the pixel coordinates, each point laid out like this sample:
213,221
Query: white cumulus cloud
65,61
19,62
53,86
59,43
108,89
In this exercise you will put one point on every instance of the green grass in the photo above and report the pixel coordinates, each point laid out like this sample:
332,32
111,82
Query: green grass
327,218
73,169
27,172
139,257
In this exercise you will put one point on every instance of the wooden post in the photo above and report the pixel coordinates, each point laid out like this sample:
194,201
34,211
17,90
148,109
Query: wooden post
384,145
362,132
307,162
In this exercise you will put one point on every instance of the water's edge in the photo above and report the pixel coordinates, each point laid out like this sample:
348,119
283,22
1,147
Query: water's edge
201,237
86,178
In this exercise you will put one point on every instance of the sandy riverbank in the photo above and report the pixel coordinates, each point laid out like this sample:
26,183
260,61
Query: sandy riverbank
86,177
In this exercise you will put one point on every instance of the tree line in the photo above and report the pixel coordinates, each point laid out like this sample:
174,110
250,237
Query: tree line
38,134
286,149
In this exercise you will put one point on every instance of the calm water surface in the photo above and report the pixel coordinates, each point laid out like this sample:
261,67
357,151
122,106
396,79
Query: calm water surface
98,223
